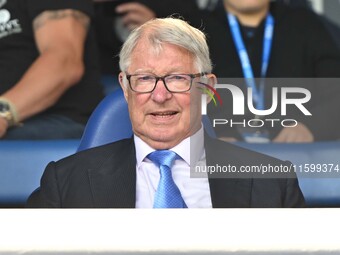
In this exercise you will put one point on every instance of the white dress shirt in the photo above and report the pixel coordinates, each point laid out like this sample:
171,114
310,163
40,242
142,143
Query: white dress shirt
195,191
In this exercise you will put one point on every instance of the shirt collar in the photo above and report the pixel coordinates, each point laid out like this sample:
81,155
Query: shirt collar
190,149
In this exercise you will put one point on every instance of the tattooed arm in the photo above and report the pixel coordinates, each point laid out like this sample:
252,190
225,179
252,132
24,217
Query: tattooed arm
60,38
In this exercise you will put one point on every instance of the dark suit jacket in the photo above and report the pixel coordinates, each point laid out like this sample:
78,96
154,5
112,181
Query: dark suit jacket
105,177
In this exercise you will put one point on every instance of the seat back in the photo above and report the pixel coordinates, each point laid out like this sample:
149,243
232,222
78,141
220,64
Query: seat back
22,164
108,123
318,191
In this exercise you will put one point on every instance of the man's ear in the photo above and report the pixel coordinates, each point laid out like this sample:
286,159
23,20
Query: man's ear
212,81
123,84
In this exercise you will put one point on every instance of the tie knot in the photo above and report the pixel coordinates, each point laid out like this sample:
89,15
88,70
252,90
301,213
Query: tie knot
163,157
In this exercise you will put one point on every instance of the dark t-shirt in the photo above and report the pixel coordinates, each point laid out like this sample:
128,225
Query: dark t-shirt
302,48
18,51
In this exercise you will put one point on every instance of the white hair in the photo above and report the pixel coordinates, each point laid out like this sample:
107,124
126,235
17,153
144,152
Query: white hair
168,30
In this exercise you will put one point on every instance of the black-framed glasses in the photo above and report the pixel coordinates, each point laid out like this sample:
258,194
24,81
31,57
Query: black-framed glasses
174,83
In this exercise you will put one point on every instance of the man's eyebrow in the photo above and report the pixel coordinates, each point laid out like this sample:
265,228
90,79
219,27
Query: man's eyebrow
46,16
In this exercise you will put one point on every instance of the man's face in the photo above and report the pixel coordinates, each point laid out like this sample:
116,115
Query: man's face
247,6
163,119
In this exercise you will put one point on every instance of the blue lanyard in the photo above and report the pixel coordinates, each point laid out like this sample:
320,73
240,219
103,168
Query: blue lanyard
258,94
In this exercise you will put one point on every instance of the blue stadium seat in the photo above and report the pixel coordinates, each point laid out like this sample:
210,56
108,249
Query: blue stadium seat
320,191
22,164
109,122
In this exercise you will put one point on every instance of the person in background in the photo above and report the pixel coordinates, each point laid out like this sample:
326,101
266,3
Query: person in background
299,47
49,74
332,27
114,20
164,65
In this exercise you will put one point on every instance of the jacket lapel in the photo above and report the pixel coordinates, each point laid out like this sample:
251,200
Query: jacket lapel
226,192
113,185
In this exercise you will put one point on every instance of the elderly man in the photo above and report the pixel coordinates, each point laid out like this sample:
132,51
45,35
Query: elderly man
164,64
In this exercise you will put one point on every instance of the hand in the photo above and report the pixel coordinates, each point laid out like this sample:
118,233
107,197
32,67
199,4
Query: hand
135,14
3,127
298,134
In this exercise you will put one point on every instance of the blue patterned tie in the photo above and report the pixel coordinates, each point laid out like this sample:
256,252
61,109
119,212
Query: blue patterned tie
167,194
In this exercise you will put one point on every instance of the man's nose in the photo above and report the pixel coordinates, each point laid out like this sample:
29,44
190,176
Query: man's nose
160,93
